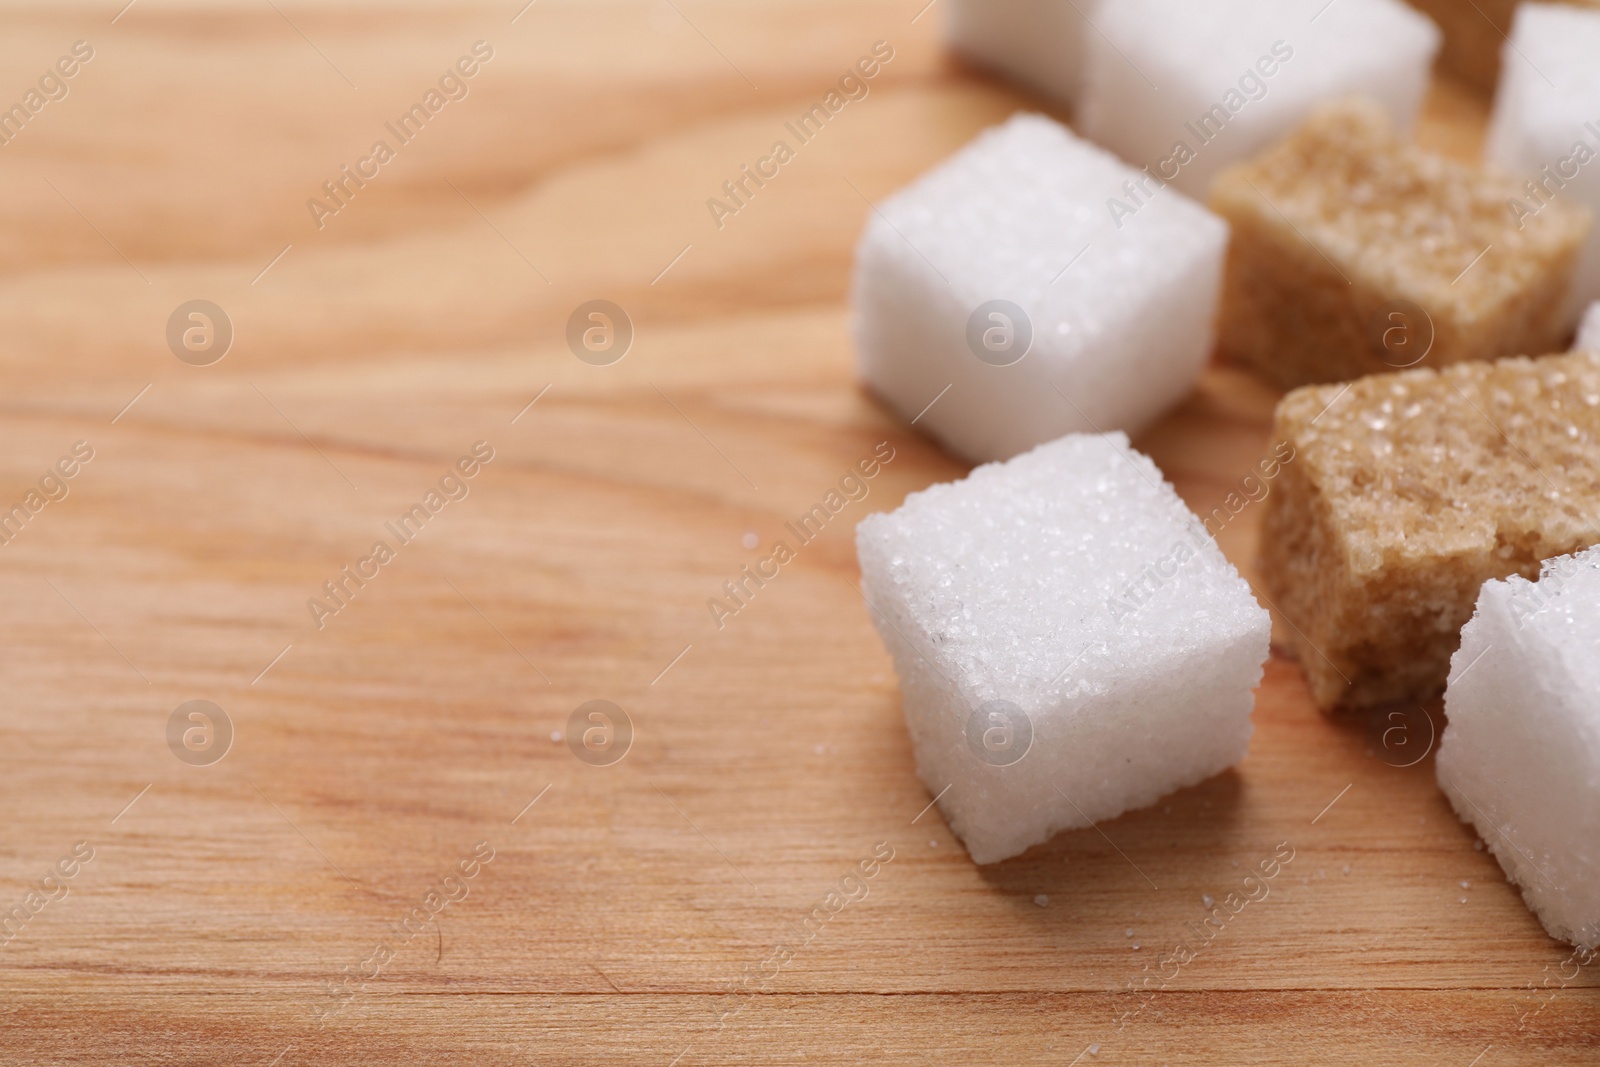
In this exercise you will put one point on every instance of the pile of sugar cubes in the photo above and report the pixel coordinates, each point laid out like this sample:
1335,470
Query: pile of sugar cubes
1071,643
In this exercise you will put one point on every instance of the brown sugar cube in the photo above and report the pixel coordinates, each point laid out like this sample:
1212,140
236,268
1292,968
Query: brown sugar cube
1475,33
1356,253
1405,493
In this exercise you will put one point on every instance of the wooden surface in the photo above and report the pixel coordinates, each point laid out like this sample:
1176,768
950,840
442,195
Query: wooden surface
769,757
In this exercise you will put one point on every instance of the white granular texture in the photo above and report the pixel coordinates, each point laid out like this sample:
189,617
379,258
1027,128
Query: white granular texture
1520,754
1157,67
1038,43
1122,317
1073,583
1546,123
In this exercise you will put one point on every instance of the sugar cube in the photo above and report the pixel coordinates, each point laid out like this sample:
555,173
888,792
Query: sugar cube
1356,252
1520,754
1185,88
1475,33
1070,642
1589,331
1405,493
1038,43
1546,124
998,303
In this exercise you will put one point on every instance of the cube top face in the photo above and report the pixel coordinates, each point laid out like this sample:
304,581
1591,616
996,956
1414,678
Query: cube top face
1188,87
1395,219
1429,465
1055,574
1005,215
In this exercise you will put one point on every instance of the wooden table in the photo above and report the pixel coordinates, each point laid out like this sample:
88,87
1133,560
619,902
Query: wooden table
252,909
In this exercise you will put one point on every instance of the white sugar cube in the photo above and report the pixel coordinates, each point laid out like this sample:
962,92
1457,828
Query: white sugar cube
1000,303
1546,124
1589,331
1070,642
1038,43
1520,755
1187,87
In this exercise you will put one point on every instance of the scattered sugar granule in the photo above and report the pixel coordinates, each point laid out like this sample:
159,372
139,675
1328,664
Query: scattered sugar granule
750,539
555,735
1207,900
1041,900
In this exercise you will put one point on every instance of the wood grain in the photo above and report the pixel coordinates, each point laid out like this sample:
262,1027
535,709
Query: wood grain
769,757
